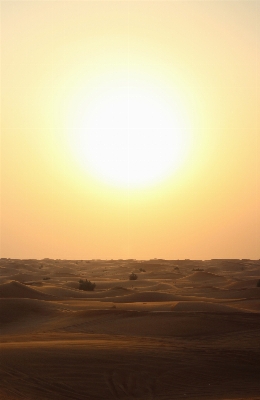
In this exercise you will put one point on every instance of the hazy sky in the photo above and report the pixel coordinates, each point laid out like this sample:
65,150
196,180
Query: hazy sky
130,129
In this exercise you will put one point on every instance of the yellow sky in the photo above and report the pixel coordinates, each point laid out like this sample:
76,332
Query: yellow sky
194,62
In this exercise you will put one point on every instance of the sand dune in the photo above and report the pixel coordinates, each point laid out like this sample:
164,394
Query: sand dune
14,309
67,293
248,305
25,277
140,283
101,284
173,333
201,277
218,294
243,284
201,306
252,293
144,296
61,292
18,290
160,286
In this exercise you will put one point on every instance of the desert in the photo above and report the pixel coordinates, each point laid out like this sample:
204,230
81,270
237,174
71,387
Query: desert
130,200
182,329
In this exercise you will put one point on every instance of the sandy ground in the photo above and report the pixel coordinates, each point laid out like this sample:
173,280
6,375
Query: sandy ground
183,330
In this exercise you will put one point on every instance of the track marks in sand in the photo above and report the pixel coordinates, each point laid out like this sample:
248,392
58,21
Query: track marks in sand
130,385
17,383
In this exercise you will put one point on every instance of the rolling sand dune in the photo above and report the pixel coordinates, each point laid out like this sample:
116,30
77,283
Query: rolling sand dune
144,296
203,277
173,333
14,309
201,306
25,277
248,305
224,294
18,290
242,284
126,283
161,287
67,293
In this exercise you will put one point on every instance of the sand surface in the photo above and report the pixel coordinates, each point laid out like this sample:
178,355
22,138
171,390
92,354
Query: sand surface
183,330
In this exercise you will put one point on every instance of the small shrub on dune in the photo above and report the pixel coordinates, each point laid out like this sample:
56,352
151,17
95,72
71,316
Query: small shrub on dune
132,277
86,285
258,283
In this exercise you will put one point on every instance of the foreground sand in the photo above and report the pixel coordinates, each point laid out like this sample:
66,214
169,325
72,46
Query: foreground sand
183,329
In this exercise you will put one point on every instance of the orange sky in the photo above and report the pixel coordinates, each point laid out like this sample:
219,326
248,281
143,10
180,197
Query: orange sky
142,72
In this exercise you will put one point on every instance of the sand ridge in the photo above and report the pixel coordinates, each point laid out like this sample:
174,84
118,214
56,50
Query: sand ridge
16,289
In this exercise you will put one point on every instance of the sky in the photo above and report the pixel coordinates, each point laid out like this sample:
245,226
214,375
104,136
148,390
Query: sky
130,129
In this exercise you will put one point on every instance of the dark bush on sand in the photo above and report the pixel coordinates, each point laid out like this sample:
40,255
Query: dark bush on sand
258,283
86,285
132,277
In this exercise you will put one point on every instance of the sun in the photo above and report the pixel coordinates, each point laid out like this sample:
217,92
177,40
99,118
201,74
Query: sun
129,132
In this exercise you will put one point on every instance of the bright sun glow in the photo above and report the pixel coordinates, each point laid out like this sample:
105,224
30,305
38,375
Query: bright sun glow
129,133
